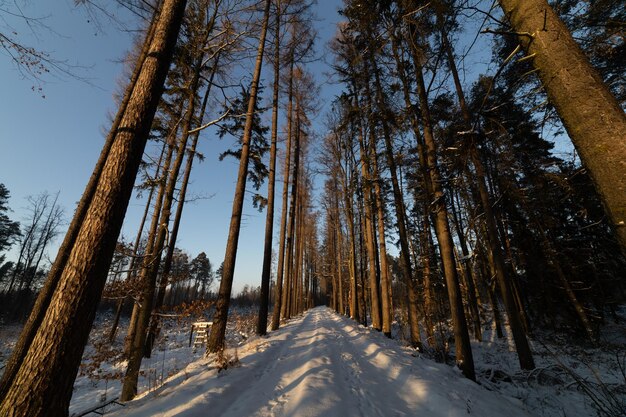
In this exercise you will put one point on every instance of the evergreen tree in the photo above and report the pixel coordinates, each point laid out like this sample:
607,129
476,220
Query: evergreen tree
9,229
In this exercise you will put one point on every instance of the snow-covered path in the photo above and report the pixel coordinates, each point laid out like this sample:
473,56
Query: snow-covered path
323,365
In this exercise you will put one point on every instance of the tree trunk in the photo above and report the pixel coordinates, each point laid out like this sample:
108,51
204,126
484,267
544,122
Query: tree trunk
446,246
333,272
339,249
152,261
412,291
398,199
567,287
491,286
382,251
363,258
354,303
427,153
149,251
116,319
45,294
299,257
467,274
169,255
288,214
278,297
261,328
368,226
133,260
521,343
591,115
291,227
43,383
218,330
429,299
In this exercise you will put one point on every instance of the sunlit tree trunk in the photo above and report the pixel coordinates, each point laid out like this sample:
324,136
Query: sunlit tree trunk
133,262
45,294
352,265
280,280
405,261
173,235
362,275
339,249
149,251
186,131
152,261
261,328
43,384
385,286
292,197
300,241
218,330
291,228
592,116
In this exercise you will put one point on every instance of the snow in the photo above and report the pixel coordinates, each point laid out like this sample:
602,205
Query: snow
322,365
99,382
325,364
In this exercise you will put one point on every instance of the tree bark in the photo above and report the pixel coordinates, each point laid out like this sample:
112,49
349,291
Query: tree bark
429,298
43,384
354,303
133,260
398,199
291,227
169,255
261,328
45,295
385,295
362,293
592,117
299,248
152,261
278,297
464,357
474,294
218,330
339,249
411,290
368,223
467,273
427,153
152,233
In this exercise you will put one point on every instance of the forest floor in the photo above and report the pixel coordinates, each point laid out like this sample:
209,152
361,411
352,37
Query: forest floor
323,364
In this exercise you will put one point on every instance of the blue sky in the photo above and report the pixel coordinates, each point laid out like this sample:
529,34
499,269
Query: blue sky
51,144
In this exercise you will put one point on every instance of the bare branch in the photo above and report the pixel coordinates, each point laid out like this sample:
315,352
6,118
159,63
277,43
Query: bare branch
211,123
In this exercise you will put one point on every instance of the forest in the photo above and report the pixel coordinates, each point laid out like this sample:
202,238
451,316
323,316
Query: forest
452,212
